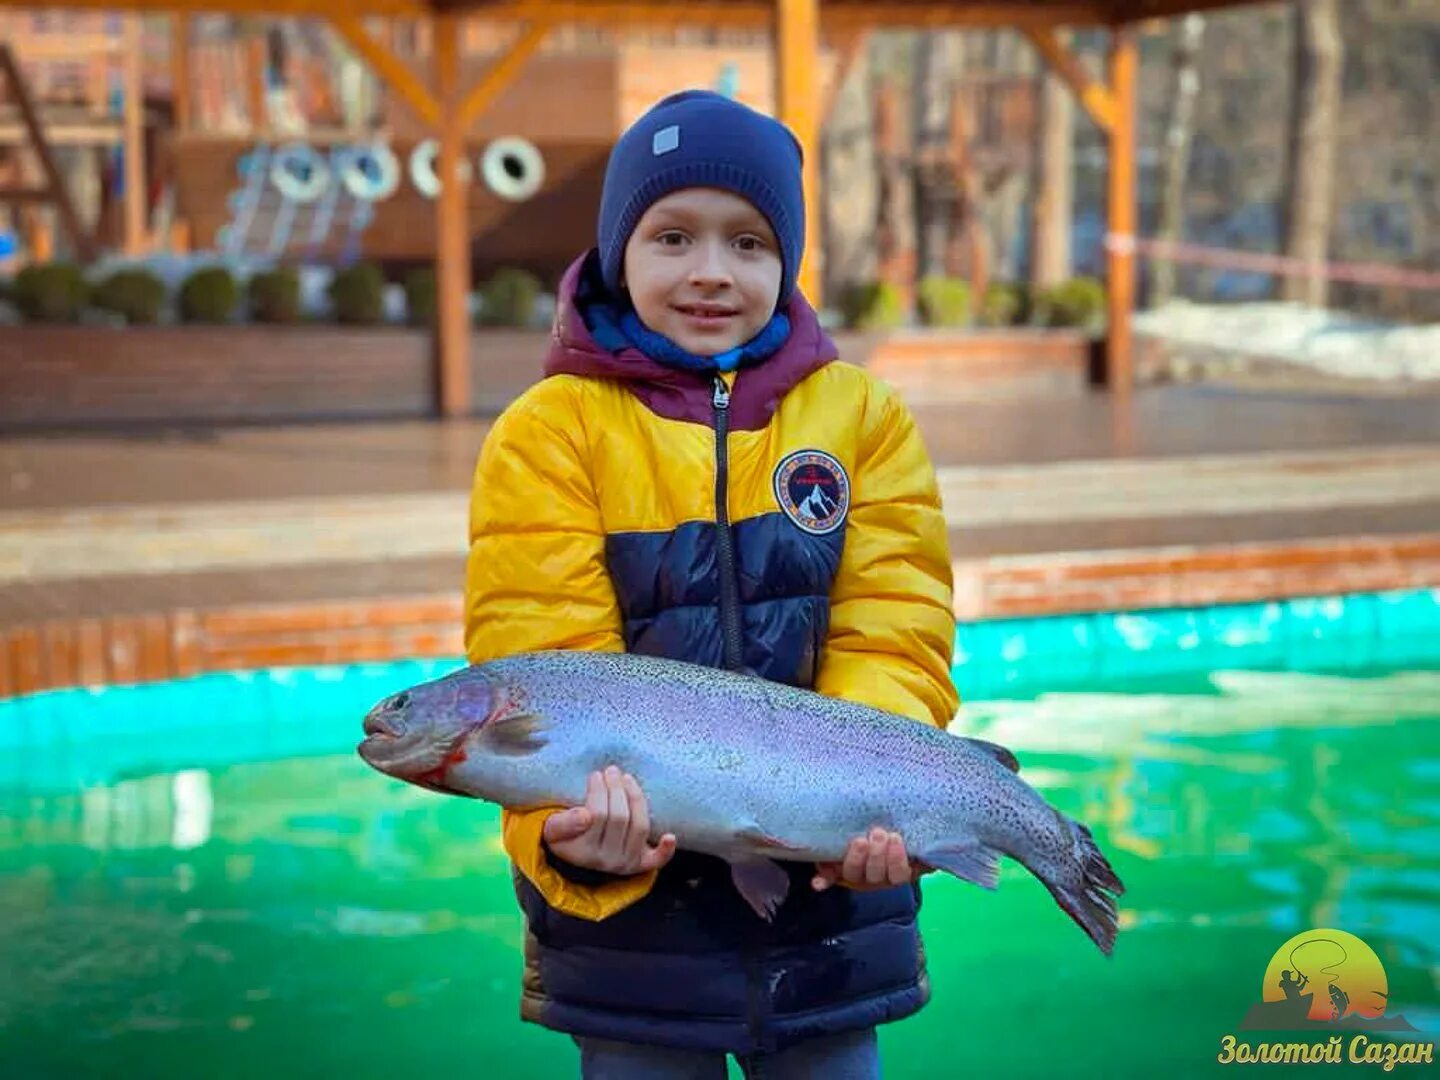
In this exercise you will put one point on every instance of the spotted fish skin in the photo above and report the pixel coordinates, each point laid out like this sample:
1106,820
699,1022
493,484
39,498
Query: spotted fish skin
738,767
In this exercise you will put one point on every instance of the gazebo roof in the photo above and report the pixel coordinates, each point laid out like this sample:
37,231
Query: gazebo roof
839,13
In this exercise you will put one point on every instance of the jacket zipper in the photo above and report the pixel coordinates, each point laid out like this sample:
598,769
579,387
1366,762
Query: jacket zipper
730,633
724,539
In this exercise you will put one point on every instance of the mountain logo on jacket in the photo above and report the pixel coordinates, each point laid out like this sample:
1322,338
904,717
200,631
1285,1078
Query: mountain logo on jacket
813,490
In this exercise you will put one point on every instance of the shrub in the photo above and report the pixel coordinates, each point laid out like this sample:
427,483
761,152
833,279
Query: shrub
357,295
508,298
420,292
136,294
209,295
51,293
273,296
1006,303
876,305
1079,302
945,301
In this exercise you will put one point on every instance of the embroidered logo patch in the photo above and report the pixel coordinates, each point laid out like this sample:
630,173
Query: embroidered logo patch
665,140
813,490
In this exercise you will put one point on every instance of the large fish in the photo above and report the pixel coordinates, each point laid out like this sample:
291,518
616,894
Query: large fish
738,767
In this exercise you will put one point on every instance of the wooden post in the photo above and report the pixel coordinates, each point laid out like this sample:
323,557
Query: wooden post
452,225
257,63
180,99
136,199
797,99
1123,211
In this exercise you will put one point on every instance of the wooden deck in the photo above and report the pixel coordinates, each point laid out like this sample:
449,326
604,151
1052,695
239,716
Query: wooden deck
129,557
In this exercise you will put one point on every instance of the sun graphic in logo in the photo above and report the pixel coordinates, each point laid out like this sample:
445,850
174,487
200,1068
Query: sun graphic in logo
1335,972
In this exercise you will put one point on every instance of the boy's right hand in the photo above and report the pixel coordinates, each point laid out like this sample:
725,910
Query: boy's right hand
611,832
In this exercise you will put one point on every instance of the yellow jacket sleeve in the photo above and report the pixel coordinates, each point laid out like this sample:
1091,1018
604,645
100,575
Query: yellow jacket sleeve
536,579
892,622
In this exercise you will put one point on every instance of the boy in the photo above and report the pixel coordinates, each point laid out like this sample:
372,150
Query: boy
695,478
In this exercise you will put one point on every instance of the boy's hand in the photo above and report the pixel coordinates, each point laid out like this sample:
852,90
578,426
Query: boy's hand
875,861
611,832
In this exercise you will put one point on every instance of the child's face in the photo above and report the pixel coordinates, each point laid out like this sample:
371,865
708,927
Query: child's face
703,268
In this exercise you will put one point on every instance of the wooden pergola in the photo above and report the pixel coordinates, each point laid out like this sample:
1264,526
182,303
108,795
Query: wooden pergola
450,108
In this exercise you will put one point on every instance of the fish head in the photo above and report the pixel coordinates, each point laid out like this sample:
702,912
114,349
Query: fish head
419,733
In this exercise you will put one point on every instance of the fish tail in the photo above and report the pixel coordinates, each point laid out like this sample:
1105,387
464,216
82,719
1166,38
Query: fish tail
1088,896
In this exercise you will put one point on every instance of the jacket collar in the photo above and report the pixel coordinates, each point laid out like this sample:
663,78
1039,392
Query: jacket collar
675,393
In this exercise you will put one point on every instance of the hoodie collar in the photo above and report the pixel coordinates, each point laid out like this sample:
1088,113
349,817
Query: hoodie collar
674,392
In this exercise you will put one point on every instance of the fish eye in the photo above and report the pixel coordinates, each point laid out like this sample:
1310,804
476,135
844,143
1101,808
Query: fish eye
400,700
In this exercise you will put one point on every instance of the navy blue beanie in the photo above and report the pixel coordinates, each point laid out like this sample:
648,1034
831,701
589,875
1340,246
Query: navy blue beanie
697,138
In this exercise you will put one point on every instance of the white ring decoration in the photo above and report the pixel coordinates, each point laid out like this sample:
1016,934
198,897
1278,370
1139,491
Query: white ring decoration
498,178
365,185
294,185
422,168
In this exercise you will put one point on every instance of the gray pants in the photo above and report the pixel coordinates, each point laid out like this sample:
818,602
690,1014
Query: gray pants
854,1055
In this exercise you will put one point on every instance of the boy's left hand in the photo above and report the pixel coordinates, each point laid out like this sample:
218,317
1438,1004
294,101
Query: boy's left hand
874,861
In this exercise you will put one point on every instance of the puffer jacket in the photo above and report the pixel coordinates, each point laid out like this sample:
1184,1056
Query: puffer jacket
784,521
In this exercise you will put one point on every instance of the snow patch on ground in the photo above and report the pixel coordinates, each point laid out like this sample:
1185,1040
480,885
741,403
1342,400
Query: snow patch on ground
1329,342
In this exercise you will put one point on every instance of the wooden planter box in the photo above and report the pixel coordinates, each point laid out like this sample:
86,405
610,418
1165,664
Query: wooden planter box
68,377
76,376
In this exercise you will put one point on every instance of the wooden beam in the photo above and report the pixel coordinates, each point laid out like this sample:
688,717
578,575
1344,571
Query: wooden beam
1094,97
278,9
397,74
501,74
80,239
1123,212
136,193
180,90
849,47
797,99
452,227
835,14
24,195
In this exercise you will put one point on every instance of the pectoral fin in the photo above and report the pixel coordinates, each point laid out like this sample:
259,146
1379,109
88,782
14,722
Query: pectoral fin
973,862
515,735
763,884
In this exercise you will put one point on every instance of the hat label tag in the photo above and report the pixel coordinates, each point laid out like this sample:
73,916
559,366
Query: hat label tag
665,140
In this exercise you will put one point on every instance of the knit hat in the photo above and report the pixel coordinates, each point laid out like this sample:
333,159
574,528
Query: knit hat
697,138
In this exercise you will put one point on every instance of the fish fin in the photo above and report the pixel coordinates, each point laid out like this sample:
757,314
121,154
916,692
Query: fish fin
763,884
1091,902
515,735
760,838
995,750
973,862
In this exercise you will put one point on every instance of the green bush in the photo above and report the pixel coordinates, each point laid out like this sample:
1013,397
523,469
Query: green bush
51,292
209,295
357,295
1079,302
1006,303
508,298
137,295
876,305
273,296
420,292
945,301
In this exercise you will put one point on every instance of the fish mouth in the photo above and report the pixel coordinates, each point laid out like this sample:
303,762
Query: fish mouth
378,727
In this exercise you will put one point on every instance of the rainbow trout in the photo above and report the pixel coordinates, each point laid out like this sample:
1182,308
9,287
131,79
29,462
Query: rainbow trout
738,767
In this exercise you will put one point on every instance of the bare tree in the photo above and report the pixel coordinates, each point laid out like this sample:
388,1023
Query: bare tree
1314,137
938,60
1179,135
852,181
1054,182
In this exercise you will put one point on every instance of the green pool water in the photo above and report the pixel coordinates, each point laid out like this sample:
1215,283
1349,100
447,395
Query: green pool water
228,891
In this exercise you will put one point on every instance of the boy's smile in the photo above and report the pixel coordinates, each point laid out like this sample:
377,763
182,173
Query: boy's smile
703,268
